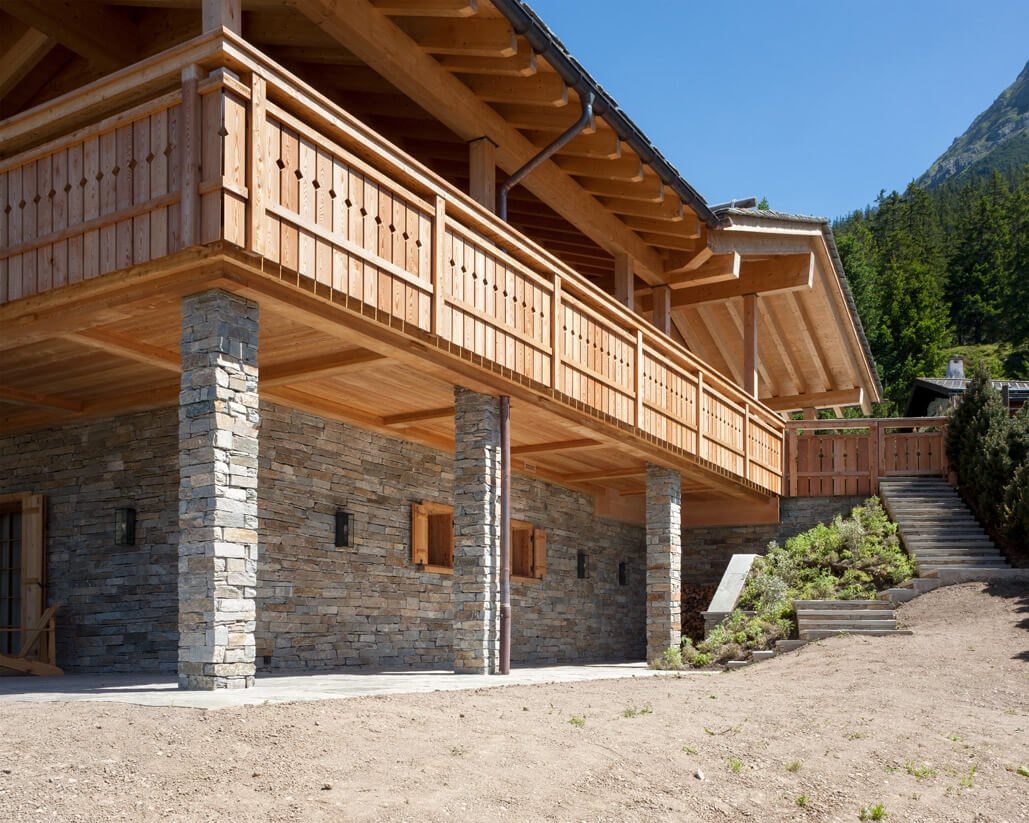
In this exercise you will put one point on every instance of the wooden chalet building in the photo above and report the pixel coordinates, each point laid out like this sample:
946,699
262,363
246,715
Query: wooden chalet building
259,302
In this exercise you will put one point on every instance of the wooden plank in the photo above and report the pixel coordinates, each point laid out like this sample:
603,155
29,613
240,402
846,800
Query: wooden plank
816,400
190,140
408,418
555,445
750,345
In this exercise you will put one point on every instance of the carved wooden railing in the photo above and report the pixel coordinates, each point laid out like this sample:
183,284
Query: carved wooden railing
244,152
827,457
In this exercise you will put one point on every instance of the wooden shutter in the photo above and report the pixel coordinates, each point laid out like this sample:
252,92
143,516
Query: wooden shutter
419,534
539,553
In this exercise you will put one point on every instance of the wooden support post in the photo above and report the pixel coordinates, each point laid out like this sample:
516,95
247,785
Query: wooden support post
556,336
873,457
794,452
663,308
624,281
810,413
439,239
222,14
881,437
190,141
482,172
257,184
638,382
750,344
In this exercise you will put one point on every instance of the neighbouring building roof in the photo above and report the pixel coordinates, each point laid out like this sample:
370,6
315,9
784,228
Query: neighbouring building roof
927,390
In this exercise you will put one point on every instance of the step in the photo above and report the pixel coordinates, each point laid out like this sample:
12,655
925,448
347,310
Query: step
844,626
987,563
944,538
966,574
941,544
923,585
821,634
789,645
955,551
898,595
763,654
837,604
843,614
737,664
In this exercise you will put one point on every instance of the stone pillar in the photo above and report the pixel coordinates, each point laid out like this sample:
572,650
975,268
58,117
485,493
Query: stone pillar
664,559
218,421
476,582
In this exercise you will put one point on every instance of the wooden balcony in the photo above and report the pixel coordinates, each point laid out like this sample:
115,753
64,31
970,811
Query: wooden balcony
210,154
833,457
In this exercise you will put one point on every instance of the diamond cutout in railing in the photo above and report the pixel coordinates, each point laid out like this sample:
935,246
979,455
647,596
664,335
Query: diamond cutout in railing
67,187
332,194
298,174
133,163
280,164
116,171
364,212
150,157
348,203
317,185
52,193
36,199
168,150
82,183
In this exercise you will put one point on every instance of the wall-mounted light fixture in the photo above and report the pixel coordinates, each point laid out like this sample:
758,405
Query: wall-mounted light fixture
583,566
125,527
344,530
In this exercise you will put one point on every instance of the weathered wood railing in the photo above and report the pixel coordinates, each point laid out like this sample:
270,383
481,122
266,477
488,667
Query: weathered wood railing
825,457
242,151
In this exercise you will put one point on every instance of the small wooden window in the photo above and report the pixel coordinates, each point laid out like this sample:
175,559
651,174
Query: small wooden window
432,535
623,574
582,566
528,551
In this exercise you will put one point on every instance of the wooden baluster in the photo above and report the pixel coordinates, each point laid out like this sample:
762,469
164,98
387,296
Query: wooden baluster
439,228
638,382
873,457
190,142
556,335
700,415
746,441
256,181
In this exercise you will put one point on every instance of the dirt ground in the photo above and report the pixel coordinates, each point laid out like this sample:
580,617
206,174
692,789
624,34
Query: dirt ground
933,727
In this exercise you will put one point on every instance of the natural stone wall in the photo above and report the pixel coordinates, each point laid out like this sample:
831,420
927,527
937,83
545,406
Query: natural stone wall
317,606
118,603
322,607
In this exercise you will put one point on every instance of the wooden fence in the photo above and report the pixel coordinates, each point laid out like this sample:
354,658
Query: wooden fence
827,457
253,156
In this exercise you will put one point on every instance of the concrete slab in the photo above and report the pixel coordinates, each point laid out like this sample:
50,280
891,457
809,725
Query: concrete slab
161,690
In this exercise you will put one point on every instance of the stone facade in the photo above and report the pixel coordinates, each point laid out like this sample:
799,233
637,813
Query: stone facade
476,585
118,603
218,423
664,559
318,607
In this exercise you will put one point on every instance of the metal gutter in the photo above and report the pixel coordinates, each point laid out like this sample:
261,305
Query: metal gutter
527,23
545,154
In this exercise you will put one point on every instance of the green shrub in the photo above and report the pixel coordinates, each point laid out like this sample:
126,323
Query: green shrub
988,450
850,559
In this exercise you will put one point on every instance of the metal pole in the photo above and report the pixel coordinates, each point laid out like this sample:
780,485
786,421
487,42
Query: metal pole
505,534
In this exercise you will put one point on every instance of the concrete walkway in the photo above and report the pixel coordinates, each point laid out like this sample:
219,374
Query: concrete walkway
161,690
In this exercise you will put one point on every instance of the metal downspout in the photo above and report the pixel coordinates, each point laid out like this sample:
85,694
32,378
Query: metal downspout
505,534
545,154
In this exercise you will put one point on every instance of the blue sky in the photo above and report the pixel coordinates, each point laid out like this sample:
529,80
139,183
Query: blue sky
815,105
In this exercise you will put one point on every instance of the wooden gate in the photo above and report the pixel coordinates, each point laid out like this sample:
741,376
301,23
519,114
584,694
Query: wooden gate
847,457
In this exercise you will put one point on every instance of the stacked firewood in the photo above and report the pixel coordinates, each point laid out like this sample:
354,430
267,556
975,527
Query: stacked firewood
695,599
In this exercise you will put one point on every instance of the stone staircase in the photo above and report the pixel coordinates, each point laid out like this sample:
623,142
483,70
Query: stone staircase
818,619
939,531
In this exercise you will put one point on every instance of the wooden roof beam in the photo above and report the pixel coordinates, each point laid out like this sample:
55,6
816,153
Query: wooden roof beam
522,64
604,474
408,418
649,190
316,368
425,8
554,446
816,400
385,47
474,38
40,400
754,278
21,49
93,30
541,116
539,90
810,341
686,227
628,169
600,145
670,210
778,341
